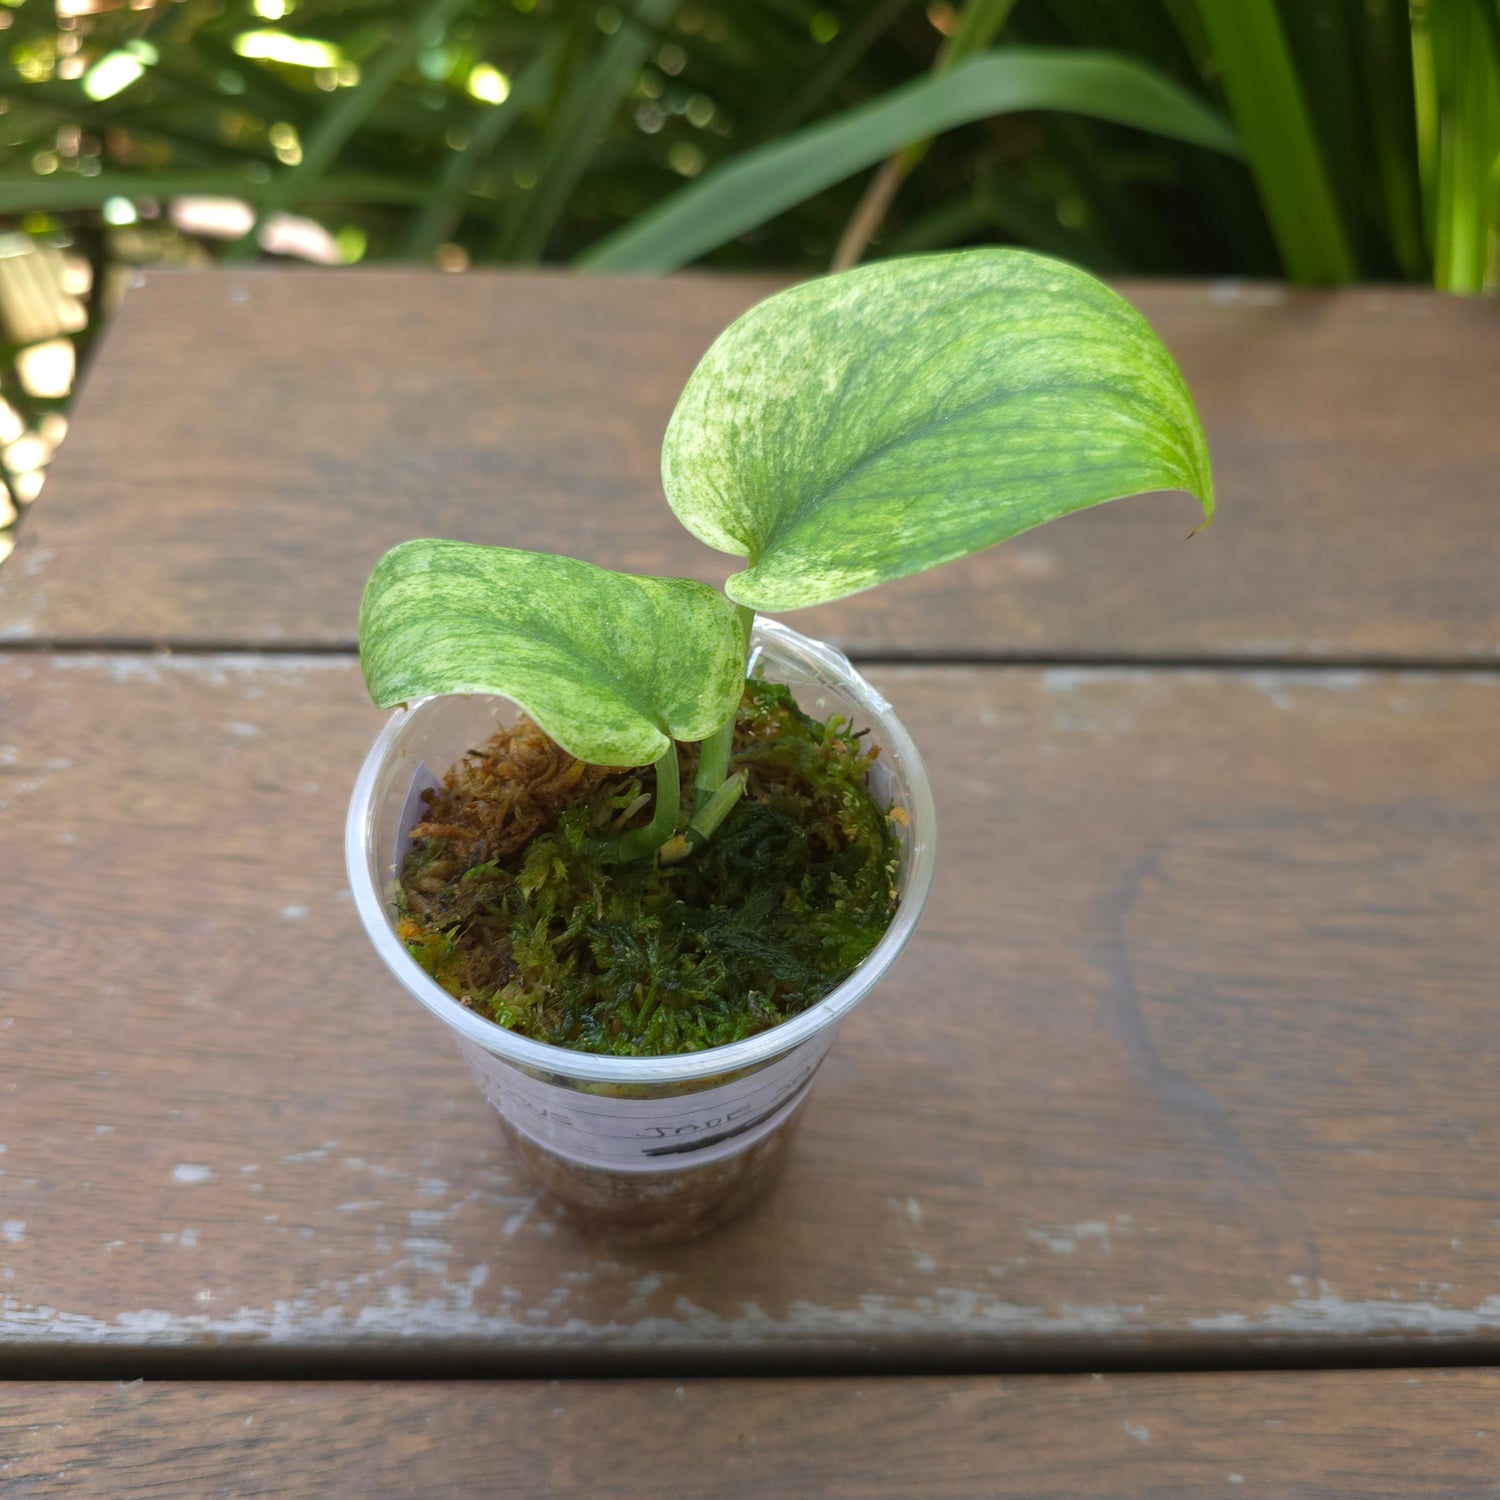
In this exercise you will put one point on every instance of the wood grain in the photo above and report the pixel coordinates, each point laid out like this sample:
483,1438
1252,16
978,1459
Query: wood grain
1350,1433
249,442
1195,1053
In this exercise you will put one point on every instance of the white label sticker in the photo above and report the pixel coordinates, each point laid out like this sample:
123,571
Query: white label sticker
648,1135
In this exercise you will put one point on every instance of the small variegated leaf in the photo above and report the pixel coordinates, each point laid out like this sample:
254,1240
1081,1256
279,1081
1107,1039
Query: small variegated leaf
886,419
613,666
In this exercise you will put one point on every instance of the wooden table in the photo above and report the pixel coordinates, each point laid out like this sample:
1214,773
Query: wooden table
1192,1076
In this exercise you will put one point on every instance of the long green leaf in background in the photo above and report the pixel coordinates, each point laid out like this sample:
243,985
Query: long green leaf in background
554,187
614,666
1459,74
979,22
762,183
1117,184
873,424
1260,80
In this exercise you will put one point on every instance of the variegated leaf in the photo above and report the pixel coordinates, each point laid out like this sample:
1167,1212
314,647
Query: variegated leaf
881,421
612,665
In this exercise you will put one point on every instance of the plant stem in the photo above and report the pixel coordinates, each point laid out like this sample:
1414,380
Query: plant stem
704,823
648,1008
713,757
702,826
713,763
640,842
714,793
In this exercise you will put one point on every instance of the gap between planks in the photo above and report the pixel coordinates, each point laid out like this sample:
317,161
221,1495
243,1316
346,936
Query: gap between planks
418,1362
1215,662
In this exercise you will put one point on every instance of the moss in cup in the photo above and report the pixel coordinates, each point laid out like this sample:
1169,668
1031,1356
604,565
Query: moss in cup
845,432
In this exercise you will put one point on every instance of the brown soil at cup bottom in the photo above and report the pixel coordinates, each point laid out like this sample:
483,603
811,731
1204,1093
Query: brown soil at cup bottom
657,1208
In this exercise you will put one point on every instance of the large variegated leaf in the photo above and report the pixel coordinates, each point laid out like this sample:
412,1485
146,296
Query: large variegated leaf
897,416
612,665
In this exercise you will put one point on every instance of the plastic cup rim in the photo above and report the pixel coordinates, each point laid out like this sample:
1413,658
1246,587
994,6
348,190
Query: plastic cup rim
711,1062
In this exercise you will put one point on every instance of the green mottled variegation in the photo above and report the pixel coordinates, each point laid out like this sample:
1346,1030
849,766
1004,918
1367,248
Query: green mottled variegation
845,432
613,666
879,422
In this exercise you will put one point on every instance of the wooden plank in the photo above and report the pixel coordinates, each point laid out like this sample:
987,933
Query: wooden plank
1354,1433
1195,1052
249,442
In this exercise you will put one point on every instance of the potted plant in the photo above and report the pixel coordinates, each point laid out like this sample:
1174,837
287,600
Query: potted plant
645,910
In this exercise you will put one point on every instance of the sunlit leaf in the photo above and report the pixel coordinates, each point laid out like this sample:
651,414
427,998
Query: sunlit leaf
1260,77
1461,78
893,417
612,665
343,115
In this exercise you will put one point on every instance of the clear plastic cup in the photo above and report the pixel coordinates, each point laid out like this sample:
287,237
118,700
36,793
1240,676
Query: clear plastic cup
649,1149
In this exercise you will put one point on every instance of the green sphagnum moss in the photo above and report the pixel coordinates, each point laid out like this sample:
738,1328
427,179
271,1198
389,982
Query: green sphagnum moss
651,958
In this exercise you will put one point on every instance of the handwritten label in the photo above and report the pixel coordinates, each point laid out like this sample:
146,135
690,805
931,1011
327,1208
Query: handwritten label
648,1134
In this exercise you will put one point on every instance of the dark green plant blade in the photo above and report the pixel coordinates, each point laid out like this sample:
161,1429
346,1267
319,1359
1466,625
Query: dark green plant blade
1260,79
879,422
756,186
614,666
1385,57
979,23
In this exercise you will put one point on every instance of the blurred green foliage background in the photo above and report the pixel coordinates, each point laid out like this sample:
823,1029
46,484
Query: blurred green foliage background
1326,141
